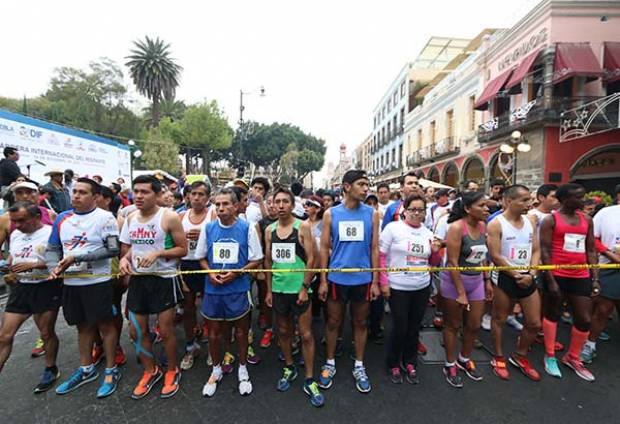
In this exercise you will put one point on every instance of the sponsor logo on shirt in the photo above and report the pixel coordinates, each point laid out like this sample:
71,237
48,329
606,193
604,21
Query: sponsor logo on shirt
76,242
143,235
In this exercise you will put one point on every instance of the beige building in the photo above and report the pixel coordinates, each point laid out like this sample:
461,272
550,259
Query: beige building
361,154
345,163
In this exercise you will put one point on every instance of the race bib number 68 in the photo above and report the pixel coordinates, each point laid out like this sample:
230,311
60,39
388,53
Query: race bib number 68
351,230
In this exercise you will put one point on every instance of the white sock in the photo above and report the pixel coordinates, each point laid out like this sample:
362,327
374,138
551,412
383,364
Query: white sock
217,370
449,364
462,358
87,369
358,364
331,362
590,344
243,373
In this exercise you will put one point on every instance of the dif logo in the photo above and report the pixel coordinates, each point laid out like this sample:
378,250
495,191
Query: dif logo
29,133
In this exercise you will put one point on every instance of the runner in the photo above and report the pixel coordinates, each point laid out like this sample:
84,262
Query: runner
257,209
265,316
290,245
547,202
406,243
153,241
463,293
566,237
383,193
228,243
31,293
350,238
315,209
193,220
513,241
607,229
83,241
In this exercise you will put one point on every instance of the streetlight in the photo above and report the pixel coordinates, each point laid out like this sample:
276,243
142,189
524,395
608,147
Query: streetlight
517,143
134,152
243,132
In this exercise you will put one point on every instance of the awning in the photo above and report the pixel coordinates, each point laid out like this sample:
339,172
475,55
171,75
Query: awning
522,70
575,59
492,88
611,61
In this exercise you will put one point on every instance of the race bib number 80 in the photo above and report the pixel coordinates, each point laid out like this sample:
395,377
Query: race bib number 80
351,230
225,253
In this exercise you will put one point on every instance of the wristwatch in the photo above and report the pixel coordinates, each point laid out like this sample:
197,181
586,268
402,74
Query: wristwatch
306,286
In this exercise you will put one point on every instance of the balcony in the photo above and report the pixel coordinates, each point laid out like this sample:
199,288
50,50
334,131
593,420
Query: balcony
446,147
590,118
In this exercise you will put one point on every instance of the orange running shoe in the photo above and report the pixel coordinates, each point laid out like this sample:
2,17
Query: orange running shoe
499,367
146,383
171,383
97,354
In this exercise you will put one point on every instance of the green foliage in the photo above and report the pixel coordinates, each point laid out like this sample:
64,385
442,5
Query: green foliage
600,197
160,151
204,126
173,109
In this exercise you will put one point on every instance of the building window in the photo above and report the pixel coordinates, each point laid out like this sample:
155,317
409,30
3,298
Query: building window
402,89
389,131
450,123
472,113
419,146
432,131
400,155
395,97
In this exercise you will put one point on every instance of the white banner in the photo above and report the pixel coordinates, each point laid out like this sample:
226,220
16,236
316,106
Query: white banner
44,146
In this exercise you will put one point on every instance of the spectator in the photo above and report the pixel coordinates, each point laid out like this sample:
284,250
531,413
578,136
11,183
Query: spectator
45,196
60,200
116,202
7,192
69,174
98,178
9,170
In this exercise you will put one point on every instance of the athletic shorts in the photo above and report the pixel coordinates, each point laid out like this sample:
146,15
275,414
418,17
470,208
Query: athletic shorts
610,283
512,290
195,282
574,286
151,294
31,299
89,304
118,290
473,284
356,294
226,307
286,304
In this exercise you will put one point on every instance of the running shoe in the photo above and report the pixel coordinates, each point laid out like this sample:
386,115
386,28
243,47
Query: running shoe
171,383
395,375
316,397
109,383
209,360
566,318
97,354
362,383
514,323
486,322
77,379
48,379
499,367
470,369
119,356
289,374
576,365
326,378
452,376
411,374
265,342
245,385
604,336
253,357
146,383
227,363
525,366
210,386
551,366
438,322
38,349
190,354
588,354
422,349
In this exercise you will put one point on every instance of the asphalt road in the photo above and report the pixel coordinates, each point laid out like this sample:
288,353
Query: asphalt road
569,400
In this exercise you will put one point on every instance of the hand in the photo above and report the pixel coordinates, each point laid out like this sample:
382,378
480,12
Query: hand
22,267
269,299
323,290
553,288
462,300
216,279
488,291
124,267
385,291
227,277
524,280
148,260
374,291
596,288
11,279
303,296
257,197
436,245
184,287
65,263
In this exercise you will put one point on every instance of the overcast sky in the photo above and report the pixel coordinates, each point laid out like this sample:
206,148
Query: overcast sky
324,64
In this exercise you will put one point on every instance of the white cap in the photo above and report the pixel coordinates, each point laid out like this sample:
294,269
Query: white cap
25,184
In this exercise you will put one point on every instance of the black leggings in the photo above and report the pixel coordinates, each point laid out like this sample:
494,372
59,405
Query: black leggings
408,309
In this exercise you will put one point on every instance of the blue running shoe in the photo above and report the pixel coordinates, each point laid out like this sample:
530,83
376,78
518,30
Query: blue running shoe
288,376
361,380
77,379
552,367
316,397
111,378
326,378
604,336
47,380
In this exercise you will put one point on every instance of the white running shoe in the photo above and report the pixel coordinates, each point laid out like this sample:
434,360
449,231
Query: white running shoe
245,385
514,323
486,322
188,359
211,385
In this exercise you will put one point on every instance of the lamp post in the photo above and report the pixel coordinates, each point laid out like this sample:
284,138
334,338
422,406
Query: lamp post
517,143
134,152
243,132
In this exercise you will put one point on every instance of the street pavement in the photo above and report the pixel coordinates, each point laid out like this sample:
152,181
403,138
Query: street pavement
569,400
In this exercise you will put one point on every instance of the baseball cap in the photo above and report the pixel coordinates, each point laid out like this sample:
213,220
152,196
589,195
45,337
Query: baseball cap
353,175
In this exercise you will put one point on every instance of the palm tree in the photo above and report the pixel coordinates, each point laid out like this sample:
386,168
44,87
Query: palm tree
154,72
173,109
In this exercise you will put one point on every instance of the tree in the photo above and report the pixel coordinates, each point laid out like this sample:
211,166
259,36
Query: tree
160,151
173,109
154,72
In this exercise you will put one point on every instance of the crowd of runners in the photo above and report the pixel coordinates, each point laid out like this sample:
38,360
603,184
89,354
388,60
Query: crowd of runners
86,258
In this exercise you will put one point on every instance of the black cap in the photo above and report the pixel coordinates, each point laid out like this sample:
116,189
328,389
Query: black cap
442,192
353,175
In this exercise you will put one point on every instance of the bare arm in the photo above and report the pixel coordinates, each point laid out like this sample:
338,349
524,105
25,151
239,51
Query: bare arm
591,249
535,245
376,219
267,260
326,243
172,223
453,241
546,234
307,242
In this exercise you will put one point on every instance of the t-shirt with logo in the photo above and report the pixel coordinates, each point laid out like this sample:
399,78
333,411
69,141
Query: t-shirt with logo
83,233
30,247
607,228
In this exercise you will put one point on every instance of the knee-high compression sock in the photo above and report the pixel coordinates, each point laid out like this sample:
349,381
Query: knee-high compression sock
550,330
577,339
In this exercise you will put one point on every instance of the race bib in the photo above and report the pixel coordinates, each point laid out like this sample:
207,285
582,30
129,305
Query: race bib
351,230
225,253
283,253
191,246
575,243
418,247
520,254
478,254
139,266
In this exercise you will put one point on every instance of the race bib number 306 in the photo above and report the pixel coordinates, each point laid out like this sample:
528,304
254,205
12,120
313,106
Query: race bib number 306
225,253
351,230
283,253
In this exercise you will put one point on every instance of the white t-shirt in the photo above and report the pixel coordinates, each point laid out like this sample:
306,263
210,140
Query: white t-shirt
383,208
253,213
255,250
607,227
406,246
30,248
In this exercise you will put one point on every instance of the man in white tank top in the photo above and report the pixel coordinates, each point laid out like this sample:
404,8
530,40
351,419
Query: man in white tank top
152,242
194,220
547,203
513,241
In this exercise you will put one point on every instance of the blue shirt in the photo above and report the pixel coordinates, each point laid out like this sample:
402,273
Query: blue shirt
347,225
390,213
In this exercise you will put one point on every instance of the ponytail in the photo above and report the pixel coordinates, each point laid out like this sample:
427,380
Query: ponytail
459,207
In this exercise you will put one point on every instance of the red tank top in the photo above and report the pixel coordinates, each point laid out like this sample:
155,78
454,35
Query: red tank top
568,246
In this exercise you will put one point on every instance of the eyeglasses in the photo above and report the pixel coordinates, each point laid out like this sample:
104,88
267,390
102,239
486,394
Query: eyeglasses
416,210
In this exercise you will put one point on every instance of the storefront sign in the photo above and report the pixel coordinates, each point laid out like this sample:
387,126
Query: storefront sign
522,50
600,163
